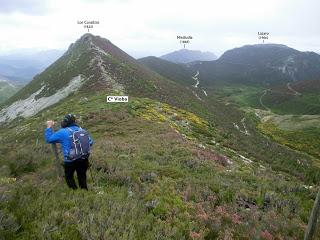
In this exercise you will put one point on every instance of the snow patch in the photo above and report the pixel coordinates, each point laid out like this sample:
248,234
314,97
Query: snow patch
245,160
282,69
196,95
195,77
287,67
262,167
244,126
236,126
31,106
245,130
205,93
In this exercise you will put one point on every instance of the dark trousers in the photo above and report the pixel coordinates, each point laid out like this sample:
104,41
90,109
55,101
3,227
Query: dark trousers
81,167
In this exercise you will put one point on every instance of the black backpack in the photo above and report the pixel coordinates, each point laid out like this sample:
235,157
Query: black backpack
79,144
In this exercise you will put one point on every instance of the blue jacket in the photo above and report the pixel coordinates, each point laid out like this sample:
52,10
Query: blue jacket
62,137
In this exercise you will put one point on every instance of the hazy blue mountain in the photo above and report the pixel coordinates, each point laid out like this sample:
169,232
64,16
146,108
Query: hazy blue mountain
187,56
22,67
7,88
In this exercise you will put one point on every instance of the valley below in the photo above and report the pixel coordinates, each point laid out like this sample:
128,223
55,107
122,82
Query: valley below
189,156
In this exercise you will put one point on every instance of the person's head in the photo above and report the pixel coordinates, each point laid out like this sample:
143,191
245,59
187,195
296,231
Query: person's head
68,120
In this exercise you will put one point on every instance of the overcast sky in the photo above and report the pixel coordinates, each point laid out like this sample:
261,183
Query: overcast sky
150,27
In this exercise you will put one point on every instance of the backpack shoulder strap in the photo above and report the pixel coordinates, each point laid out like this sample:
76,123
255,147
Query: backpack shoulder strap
70,130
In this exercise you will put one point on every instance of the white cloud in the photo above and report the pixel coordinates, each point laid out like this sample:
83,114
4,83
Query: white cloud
150,27
32,7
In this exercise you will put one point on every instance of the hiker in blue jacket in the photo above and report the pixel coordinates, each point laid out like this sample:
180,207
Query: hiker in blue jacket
76,144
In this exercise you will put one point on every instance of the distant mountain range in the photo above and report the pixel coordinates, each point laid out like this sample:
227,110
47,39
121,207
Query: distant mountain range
21,68
262,64
7,89
18,69
187,56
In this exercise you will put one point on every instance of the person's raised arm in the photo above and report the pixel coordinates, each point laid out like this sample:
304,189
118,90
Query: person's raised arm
50,135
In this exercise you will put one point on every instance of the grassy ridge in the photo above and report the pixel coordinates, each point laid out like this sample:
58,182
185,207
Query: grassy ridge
155,176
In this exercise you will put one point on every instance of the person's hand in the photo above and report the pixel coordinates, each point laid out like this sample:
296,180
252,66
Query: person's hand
50,123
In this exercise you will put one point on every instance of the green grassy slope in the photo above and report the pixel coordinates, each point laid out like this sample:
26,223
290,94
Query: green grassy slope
285,123
294,98
302,100
306,139
176,72
165,165
299,132
289,104
6,91
224,117
159,172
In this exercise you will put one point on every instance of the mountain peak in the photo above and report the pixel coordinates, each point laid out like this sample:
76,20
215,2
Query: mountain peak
91,64
260,54
87,40
89,37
